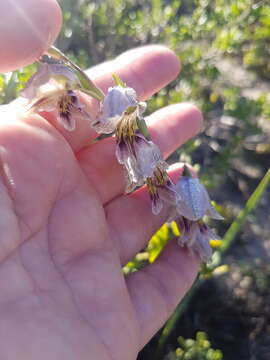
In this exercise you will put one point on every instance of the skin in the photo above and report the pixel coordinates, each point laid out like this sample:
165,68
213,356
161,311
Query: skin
67,227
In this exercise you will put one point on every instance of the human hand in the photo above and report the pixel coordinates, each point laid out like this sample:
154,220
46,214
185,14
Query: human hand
67,227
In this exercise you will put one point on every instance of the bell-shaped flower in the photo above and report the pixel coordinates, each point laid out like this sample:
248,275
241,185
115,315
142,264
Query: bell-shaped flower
140,158
51,88
195,235
195,202
55,76
116,103
161,189
139,155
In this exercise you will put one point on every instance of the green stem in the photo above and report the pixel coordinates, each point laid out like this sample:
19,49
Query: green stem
143,128
252,202
170,325
118,81
10,90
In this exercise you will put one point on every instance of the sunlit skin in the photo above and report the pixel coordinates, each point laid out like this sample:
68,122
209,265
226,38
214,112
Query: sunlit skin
67,227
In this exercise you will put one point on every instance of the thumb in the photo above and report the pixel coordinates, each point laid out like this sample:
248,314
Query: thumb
27,29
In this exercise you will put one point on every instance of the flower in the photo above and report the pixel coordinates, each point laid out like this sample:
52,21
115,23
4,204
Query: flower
54,55
196,235
121,112
62,76
140,158
52,88
143,160
161,189
195,201
116,103
138,155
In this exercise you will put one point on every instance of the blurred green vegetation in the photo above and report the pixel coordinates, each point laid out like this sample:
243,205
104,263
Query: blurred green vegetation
198,349
224,49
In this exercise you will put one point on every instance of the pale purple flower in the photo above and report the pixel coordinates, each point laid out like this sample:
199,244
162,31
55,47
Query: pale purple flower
140,158
196,236
51,88
117,102
143,161
193,205
161,189
54,76
69,107
195,202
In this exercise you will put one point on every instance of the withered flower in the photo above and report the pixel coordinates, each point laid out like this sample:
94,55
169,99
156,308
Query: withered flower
52,88
161,189
196,236
193,205
139,155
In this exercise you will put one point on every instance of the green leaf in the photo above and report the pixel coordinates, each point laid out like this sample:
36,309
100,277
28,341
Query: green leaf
118,81
143,128
11,88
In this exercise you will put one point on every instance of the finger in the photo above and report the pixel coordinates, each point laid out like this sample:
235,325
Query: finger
157,289
126,214
170,127
27,29
154,64
146,69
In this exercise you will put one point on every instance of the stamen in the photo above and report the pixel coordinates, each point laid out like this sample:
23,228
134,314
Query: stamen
66,104
127,126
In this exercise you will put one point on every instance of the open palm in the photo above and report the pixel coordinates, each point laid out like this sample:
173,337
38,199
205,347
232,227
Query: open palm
67,228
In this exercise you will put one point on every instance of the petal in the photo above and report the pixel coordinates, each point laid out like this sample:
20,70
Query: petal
68,107
64,74
46,103
164,195
130,184
203,248
103,125
210,233
148,156
117,100
133,172
60,76
195,200
78,107
42,76
189,234
157,205
181,224
211,212
168,193
115,103
202,245
67,121
196,235
125,157
121,152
